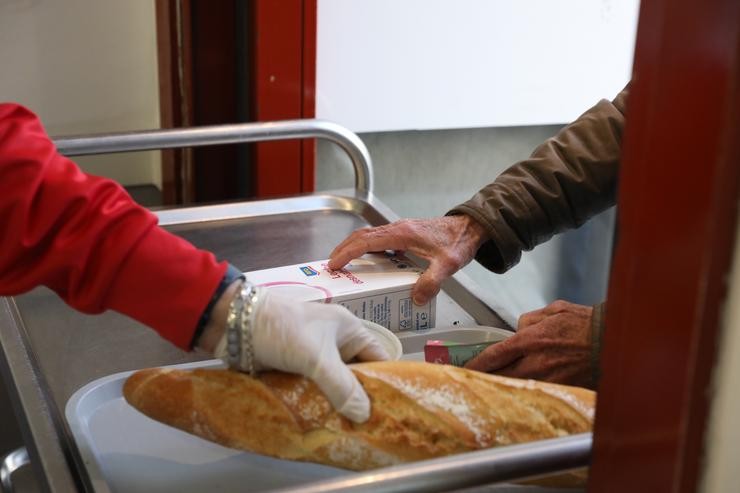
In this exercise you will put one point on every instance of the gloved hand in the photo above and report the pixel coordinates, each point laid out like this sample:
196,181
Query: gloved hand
313,339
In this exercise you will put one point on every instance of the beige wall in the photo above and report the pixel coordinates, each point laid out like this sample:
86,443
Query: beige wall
722,473
85,66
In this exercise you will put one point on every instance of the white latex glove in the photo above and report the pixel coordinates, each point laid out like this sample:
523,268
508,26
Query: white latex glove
313,339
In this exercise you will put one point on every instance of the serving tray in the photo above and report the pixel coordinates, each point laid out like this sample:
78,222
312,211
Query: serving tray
126,451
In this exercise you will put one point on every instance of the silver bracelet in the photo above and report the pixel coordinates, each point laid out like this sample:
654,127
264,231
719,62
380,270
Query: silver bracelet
239,348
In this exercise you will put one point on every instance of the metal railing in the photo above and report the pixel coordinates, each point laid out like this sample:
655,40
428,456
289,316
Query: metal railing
227,134
495,465
10,464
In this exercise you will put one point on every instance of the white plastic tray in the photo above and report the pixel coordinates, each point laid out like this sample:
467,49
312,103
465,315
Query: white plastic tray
125,451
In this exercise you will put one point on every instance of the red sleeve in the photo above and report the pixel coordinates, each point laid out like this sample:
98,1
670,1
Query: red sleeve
86,239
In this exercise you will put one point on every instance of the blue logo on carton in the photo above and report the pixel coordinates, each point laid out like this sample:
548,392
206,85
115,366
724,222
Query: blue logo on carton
309,271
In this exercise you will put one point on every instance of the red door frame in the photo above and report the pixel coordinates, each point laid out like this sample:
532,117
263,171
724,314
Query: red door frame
284,85
197,57
678,211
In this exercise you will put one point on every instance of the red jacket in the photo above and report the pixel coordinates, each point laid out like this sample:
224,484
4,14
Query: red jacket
86,239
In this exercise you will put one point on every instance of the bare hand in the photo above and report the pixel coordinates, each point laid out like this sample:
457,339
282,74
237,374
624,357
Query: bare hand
448,243
552,344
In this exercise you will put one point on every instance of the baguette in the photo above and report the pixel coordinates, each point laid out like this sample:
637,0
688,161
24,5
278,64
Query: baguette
419,411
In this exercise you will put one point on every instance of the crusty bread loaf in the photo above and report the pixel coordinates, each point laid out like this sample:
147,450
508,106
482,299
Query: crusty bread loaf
419,411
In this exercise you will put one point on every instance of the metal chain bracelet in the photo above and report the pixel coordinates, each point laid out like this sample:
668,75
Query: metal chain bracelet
239,347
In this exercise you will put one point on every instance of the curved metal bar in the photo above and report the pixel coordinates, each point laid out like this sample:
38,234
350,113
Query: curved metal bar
494,465
11,463
227,134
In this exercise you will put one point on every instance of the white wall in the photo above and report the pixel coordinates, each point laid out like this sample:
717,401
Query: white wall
85,66
723,438
432,64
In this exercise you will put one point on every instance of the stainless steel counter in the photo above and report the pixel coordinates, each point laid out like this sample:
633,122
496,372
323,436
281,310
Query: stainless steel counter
48,350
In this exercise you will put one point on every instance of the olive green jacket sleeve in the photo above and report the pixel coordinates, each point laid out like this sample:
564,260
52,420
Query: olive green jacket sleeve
568,179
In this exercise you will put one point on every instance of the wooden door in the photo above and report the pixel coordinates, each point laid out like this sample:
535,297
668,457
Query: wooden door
678,198
229,62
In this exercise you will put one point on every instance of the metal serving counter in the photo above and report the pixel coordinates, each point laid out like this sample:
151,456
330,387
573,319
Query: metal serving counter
49,350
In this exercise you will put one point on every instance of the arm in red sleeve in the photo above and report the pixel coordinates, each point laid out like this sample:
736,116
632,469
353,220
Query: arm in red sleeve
86,239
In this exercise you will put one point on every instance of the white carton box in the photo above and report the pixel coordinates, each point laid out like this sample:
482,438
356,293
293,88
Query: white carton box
375,287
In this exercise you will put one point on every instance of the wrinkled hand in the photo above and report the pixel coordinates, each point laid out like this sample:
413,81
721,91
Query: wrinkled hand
315,339
448,243
552,344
